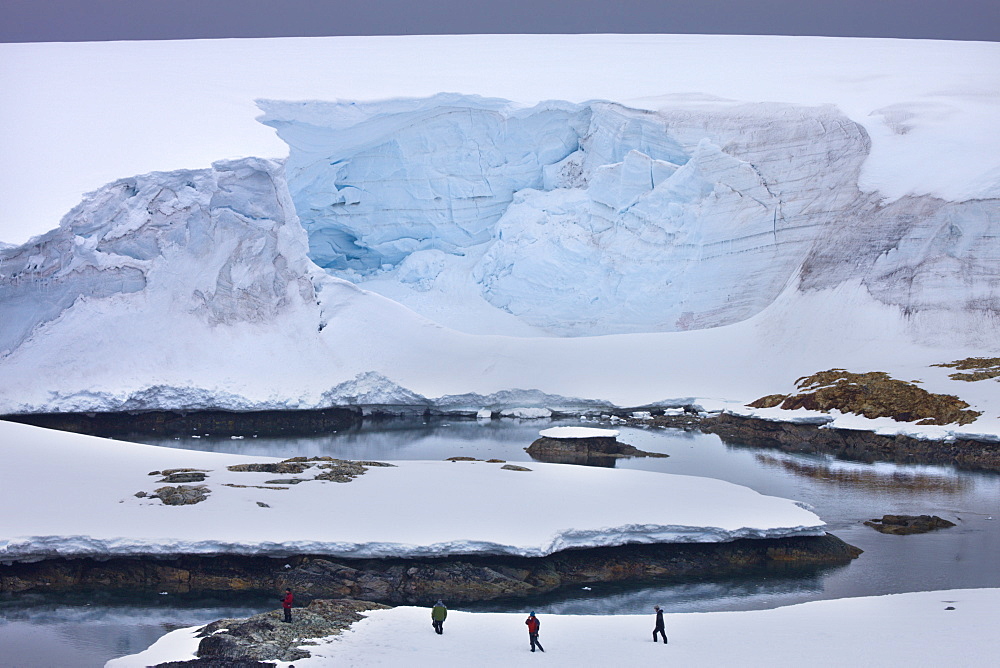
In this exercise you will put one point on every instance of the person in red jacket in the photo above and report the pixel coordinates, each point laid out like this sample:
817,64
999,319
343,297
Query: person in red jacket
286,603
533,626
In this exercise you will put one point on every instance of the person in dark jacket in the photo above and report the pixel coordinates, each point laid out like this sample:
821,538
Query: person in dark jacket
286,603
439,613
659,628
533,626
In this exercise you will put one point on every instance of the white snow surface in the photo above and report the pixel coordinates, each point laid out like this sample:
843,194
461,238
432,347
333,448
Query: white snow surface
914,629
90,507
578,432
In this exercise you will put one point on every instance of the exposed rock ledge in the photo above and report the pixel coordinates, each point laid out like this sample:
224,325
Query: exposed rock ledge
864,446
419,581
252,641
904,525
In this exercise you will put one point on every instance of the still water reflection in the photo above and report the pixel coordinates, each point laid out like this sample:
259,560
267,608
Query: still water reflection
843,494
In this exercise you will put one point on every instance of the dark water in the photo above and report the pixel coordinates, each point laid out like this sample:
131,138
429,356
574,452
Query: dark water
843,494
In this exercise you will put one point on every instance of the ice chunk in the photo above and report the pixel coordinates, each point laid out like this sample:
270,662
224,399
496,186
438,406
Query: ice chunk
578,432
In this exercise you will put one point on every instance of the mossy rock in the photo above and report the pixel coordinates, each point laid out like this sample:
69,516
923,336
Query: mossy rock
980,368
873,394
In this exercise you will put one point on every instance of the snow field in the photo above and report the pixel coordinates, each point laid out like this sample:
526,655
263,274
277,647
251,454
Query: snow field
911,630
91,509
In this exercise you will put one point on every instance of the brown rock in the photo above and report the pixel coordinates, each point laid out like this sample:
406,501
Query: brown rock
979,368
415,581
902,525
865,446
593,451
182,495
276,467
873,394
184,476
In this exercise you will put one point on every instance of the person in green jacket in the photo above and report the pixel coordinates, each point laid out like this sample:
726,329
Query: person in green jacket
438,614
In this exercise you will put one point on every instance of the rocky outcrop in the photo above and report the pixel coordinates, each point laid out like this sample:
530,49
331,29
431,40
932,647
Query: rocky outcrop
864,446
873,394
593,451
183,423
265,637
972,369
255,642
324,468
184,476
181,495
418,581
329,468
216,663
902,525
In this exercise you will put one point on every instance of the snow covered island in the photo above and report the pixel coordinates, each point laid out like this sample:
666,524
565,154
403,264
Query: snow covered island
94,508
108,499
583,445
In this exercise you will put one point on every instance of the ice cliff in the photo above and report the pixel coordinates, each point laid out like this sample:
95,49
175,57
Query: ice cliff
584,219
212,244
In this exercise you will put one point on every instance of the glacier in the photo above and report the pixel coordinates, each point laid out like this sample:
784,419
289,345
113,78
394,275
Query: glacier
470,253
594,218
207,238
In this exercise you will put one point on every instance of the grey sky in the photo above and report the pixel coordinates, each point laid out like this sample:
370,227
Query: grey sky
82,20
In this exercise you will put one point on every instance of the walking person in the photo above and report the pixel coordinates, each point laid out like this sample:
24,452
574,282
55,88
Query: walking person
659,628
533,626
439,613
286,603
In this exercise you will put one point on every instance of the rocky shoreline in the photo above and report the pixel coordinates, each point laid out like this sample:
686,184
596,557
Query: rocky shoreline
739,431
419,581
198,422
863,446
257,641
734,430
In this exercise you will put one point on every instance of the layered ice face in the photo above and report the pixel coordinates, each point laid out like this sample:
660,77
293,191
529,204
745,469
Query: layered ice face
214,244
594,218
374,183
587,219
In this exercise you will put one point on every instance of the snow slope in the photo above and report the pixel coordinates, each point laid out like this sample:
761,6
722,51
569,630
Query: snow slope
915,629
91,509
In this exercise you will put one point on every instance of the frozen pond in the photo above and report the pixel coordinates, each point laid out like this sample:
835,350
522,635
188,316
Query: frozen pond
844,494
